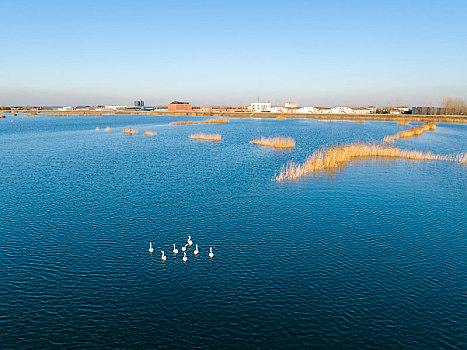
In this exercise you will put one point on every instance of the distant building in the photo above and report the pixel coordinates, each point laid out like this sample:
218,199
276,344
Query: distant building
179,106
322,110
429,110
161,108
260,107
400,110
139,103
115,107
306,110
278,109
51,108
361,110
204,109
341,110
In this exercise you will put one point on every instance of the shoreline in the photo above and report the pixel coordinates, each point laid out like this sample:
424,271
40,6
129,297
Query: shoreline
459,119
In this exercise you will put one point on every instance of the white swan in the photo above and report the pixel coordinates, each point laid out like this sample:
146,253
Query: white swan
184,248
163,257
190,242
196,250
175,250
211,254
184,257
150,248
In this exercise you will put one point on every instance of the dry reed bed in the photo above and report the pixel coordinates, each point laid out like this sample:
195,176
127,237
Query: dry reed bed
402,122
412,132
334,157
130,131
150,133
203,136
281,117
462,158
207,121
277,142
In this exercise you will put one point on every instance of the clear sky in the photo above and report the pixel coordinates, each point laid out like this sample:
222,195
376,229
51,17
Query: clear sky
351,52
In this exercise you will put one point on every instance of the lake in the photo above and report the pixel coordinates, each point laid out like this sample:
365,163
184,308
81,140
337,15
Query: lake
371,256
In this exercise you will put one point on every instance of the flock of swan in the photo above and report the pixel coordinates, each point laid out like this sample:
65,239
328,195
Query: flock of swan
189,243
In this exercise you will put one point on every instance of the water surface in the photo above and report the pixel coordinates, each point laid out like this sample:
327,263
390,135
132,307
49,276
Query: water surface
373,256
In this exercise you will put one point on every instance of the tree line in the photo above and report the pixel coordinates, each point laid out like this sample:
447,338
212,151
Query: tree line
456,106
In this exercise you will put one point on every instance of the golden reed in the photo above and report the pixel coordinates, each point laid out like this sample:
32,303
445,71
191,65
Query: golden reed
462,158
281,117
203,136
277,142
130,131
150,133
412,132
334,157
207,121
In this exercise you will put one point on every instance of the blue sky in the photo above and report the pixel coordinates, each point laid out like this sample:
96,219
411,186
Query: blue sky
232,52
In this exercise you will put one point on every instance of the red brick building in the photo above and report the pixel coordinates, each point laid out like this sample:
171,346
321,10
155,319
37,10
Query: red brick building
179,106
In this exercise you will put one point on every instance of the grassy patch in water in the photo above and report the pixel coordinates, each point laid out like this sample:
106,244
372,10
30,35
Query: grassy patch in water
334,157
203,136
277,142
412,132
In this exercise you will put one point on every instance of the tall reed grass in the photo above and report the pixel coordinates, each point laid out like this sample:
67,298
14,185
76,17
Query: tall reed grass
277,142
203,136
462,158
207,121
412,132
130,131
150,133
402,122
334,157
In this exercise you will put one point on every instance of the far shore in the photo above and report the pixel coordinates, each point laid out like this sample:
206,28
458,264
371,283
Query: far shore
462,119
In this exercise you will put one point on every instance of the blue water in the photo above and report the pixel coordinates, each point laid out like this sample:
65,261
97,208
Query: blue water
371,256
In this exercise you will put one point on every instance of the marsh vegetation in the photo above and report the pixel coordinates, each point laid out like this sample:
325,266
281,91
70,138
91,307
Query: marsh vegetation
277,142
203,136
334,157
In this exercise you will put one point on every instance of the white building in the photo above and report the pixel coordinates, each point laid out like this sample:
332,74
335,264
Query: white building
115,107
341,110
306,110
278,109
322,110
361,110
400,110
260,107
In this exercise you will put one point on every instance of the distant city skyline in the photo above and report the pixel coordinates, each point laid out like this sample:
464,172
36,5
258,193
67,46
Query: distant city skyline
313,53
